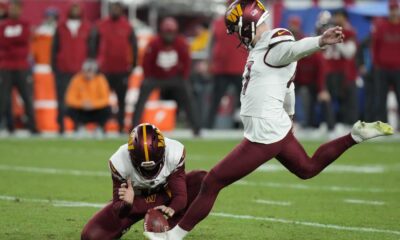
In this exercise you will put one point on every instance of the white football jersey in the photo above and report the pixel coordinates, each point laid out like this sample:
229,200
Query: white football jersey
174,151
265,86
267,81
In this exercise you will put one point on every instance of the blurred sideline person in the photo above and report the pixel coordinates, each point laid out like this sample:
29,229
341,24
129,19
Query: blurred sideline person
88,97
342,71
201,38
267,108
386,57
69,51
14,45
9,115
148,172
114,44
199,76
42,40
310,82
367,71
166,65
226,66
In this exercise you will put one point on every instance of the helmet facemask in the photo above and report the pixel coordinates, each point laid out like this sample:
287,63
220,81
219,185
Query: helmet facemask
147,169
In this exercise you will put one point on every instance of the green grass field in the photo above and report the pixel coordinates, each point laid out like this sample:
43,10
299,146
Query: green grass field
357,198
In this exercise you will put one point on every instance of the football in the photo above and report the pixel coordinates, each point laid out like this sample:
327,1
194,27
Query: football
154,221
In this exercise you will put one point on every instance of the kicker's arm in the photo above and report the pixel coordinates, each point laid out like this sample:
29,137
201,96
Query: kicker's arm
286,52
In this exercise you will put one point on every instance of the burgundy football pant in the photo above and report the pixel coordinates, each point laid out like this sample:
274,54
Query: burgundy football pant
106,225
248,156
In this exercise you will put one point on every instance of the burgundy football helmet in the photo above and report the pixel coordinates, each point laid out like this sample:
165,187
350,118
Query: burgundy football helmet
146,148
243,17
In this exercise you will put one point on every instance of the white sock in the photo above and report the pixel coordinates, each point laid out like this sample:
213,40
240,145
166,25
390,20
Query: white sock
356,138
177,233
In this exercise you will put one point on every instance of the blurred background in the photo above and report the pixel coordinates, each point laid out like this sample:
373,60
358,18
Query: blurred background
99,67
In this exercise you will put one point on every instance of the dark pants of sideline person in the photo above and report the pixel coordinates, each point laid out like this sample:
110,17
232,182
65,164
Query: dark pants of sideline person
309,95
371,104
19,80
98,116
345,93
182,95
119,84
385,80
220,86
62,81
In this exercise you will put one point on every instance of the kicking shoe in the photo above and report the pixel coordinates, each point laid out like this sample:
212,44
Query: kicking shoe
155,236
363,131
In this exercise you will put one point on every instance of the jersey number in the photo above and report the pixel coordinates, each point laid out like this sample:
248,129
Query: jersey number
246,76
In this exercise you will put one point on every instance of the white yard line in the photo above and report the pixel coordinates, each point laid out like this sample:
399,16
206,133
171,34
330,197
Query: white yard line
337,168
54,171
364,202
63,203
56,203
308,224
270,202
59,171
310,187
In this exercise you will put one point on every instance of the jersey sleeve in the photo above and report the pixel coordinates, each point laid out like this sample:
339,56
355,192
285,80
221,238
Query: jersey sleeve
120,208
283,49
182,159
114,172
175,154
119,162
177,186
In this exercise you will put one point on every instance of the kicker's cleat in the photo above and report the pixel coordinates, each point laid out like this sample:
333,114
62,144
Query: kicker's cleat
155,236
363,131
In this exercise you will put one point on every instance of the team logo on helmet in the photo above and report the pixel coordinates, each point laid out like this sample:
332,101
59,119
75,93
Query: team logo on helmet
243,17
235,14
146,146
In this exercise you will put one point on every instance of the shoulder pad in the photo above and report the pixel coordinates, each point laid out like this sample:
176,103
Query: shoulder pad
115,173
175,153
281,35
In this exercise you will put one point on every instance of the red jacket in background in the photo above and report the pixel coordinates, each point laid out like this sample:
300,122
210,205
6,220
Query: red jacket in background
336,62
115,45
226,57
14,44
386,45
163,61
72,50
311,71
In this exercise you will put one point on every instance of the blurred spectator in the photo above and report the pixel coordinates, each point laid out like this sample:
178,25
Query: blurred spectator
199,77
3,11
166,65
43,37
114,43
342,71
8,113
367,72
294,25
310,82
14,45
87,97
226,65
70,49
201,39
386,57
